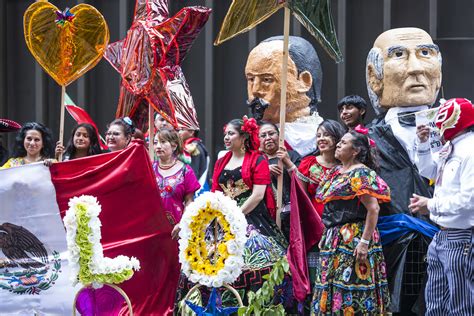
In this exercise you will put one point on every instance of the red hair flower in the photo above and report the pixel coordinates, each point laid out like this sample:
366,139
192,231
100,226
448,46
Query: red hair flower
363,130
251,127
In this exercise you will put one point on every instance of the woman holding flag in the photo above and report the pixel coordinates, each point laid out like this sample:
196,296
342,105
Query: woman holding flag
83,143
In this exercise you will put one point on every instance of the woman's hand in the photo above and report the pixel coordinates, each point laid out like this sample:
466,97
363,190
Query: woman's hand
360,252
373,208
59,149
275,170
49,162
423,133
175,232
282,154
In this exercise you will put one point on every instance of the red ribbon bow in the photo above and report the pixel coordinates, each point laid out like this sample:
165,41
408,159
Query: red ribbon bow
363,130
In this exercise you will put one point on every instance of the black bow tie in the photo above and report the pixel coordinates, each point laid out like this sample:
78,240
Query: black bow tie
407,118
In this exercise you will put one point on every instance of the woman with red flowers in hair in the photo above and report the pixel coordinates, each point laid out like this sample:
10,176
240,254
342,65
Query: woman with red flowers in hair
243,175
176,181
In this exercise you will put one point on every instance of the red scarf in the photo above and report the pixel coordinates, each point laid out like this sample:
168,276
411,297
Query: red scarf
248,170
190,140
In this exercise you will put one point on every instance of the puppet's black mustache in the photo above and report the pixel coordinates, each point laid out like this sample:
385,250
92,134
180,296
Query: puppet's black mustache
258,107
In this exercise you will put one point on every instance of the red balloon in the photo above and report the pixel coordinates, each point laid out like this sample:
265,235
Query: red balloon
149,58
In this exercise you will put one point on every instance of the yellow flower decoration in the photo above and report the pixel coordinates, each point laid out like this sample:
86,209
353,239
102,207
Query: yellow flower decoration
196,252
204,261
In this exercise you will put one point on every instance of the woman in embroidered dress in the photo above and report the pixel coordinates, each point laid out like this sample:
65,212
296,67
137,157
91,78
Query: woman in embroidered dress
83,143
351,277
316,165
33,143
243,175
176,181
268,136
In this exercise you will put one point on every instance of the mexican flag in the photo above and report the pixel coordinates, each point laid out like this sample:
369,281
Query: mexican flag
34,274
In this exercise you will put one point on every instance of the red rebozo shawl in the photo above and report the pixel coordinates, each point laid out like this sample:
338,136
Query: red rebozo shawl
252,173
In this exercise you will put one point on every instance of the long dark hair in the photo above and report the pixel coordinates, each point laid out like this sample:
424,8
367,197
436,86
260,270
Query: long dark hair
367,154
335,129
94,147
48,147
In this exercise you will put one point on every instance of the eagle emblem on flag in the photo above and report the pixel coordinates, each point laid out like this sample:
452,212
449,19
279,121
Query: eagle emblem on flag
25,269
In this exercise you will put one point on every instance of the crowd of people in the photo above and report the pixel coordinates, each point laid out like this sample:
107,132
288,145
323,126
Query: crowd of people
349,173
348,271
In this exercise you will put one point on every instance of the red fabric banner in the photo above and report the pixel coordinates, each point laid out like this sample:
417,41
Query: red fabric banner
306,229
133,222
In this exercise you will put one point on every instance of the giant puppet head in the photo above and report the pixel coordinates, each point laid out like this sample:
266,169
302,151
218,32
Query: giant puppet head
403,69
263,72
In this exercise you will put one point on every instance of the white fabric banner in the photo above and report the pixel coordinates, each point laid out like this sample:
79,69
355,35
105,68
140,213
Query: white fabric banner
34,274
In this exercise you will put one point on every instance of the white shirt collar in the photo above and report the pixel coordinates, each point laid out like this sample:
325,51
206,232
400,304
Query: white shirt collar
406,135
392,113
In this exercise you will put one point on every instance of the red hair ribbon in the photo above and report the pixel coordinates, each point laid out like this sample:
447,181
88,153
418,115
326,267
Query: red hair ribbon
251,127
363,130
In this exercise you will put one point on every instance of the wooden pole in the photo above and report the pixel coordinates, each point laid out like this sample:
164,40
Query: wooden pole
151,132
284,83
61,120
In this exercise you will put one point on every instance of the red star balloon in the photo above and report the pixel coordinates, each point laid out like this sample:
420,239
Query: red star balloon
149,60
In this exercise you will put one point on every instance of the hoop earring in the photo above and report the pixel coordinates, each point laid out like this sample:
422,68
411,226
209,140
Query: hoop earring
242,148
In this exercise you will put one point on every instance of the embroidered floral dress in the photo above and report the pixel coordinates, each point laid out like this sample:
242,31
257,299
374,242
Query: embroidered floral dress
174,188
266,244
313,173
343,285
14,162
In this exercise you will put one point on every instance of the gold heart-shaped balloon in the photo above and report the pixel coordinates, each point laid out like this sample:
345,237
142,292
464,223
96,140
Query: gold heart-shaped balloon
66,49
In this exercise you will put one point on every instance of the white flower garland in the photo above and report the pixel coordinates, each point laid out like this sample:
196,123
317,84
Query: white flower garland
99,267
194,222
